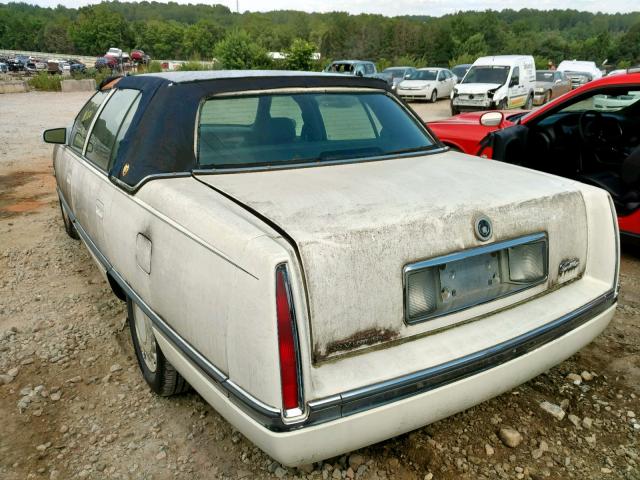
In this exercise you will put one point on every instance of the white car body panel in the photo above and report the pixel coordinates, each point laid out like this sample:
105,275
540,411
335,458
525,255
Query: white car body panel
358,244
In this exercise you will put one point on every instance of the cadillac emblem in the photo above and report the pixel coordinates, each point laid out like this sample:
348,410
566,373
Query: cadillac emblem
483,229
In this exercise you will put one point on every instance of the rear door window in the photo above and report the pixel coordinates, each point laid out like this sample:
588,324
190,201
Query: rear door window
105,131
84,119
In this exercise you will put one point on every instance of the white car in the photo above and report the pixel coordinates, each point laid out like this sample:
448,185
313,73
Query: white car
300,250
427,84
497,82
580,71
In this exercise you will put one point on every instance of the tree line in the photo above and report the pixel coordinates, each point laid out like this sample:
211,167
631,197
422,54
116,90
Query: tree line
202,32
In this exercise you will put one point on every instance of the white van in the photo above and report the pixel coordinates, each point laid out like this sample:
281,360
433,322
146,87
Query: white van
499,82
580,71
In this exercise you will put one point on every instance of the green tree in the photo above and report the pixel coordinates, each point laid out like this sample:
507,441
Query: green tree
55,37
162,40
200,38
299,56
237,51
99,28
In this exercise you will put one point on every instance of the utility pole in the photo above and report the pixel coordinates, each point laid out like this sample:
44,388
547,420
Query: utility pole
237,6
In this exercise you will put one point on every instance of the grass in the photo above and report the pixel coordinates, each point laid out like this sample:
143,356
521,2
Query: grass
46,82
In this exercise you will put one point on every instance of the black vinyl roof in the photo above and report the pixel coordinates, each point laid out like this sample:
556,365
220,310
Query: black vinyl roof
161,137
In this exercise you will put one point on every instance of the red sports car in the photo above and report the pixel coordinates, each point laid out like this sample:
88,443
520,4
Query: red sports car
591,134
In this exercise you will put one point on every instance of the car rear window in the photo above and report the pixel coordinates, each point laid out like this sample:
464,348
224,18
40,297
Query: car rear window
276,130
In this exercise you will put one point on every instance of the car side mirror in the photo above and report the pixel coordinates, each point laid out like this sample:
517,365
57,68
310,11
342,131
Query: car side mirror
514,82
55,135
359,73
491,119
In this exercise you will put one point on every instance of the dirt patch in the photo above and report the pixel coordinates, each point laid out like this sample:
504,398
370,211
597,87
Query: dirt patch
24,192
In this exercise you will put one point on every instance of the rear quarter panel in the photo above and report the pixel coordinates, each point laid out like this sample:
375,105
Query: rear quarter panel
212,274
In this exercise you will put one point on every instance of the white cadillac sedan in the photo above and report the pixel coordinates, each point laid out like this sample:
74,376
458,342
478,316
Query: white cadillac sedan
306,255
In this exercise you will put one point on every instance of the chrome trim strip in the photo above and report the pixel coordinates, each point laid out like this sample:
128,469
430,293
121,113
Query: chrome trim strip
371,396
472,252
464,254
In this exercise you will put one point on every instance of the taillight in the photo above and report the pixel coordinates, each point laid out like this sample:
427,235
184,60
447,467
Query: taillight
287,344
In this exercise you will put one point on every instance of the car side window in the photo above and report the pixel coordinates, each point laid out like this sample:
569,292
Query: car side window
84,119
103,136
368,68
515,76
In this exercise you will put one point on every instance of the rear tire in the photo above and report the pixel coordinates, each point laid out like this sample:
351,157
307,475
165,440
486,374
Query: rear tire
529,103
434,96
68,224
159,374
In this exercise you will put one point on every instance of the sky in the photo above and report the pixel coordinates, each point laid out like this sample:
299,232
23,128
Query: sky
397,7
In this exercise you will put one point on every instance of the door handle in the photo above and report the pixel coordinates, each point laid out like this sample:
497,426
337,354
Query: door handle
99,209
143,253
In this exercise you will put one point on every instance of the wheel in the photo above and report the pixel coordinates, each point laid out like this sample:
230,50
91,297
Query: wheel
434,96
68,225
547,97
454,110
159,374
529,103
503,104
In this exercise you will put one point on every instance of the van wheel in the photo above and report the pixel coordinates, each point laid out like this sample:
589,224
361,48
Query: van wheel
159,374
434,96
503,104
454,110
547,97
68,225
529,104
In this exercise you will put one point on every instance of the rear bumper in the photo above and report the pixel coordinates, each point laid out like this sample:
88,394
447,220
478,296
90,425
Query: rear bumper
538,98
360,417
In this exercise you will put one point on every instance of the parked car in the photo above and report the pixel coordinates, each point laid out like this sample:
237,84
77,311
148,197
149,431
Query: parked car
550,84
588,134
579,71
359,68
106,62
460,71
76,66
139,57
394,75
390,284
427,84
498,82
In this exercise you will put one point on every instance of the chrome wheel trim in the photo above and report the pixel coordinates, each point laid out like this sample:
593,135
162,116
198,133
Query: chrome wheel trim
146,338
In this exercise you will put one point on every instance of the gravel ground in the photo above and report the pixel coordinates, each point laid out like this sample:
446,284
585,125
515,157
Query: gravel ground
73,404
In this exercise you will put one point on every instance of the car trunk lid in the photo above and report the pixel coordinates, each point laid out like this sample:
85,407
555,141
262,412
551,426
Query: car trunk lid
357,225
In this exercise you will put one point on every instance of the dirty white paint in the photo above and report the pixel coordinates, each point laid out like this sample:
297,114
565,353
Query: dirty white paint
358,225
